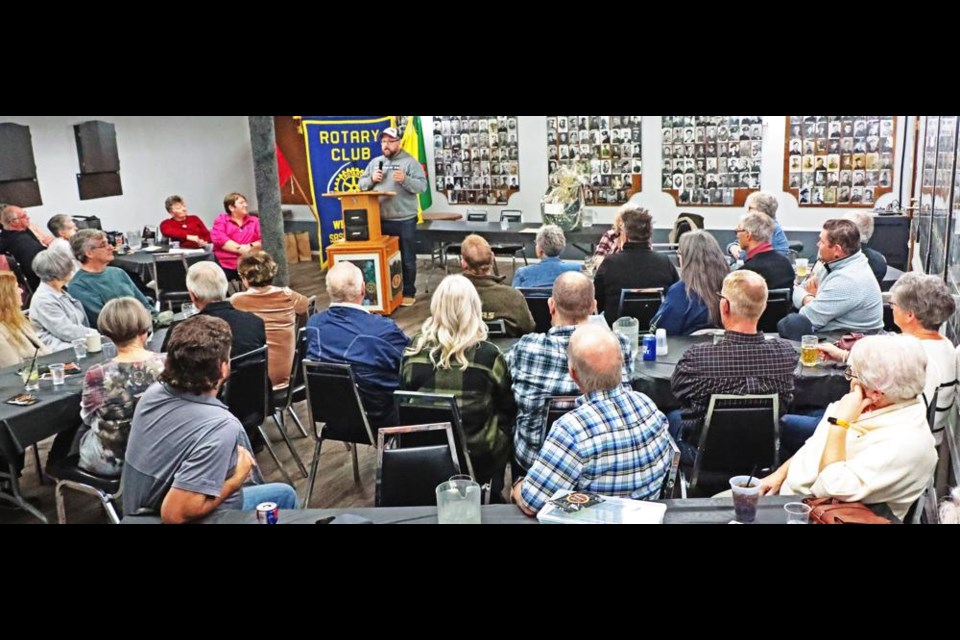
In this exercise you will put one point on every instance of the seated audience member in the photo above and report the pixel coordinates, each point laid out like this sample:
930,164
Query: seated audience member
950,508
539,368
874,445
500,302
612,241
864,222
280,308
742,363
235,233
207,286
636,267
921,304
58,317
754,235
186,229
95,283
847,298
20,240
451,355
349,334
766,203
112,389
186,455
693,303
549,245
63,229
614,443
18,342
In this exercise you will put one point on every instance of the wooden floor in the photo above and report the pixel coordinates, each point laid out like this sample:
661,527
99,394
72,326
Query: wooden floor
335,486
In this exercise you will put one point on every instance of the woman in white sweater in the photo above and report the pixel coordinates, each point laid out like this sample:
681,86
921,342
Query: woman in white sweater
873,445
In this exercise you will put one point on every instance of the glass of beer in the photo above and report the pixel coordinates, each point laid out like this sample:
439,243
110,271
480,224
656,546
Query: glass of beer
809,354
802,267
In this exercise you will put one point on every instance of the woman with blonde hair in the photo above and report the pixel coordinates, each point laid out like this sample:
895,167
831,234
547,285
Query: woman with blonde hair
280,308
451,355
18,342
112,388
693,303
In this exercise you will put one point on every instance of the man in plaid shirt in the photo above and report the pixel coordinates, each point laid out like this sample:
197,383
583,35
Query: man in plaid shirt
614,443
538,364
742,363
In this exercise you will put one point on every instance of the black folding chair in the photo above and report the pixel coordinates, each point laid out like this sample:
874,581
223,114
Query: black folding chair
537,298
641,304
416,408
496,328
170,278
407,476
779,306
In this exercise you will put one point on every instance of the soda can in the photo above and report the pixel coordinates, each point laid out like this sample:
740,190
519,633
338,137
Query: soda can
268,513
649,348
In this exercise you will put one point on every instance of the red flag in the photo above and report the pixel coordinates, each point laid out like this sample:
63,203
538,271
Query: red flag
283,168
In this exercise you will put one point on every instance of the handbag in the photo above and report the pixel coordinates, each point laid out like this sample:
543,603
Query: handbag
847,341
832,511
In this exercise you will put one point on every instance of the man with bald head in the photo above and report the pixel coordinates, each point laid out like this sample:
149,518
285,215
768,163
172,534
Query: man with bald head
614,443
372,345
742,363
539,367
499,301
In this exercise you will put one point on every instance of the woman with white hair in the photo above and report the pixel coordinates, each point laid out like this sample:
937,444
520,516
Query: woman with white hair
57,317
451,355
873,445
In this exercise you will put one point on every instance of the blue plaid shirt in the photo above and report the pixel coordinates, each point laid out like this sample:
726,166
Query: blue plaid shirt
538,367
615,444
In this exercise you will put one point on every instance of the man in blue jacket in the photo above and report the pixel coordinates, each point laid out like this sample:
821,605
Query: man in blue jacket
348,334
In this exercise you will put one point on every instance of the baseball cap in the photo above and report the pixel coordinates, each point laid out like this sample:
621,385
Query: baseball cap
392,132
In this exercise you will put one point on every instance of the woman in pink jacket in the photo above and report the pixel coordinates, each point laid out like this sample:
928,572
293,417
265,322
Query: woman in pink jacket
234,234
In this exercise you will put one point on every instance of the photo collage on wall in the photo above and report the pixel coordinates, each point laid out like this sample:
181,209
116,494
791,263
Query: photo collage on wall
711,160
476,158
839,160
605,150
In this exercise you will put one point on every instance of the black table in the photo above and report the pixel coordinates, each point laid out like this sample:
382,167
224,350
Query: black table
813,386
890,279
690,511
139,264
506,233
20,427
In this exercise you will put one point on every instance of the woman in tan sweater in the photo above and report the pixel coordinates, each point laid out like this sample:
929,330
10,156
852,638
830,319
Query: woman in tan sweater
18,342
278,307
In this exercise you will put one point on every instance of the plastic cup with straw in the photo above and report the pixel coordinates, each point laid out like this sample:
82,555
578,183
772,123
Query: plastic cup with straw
31,375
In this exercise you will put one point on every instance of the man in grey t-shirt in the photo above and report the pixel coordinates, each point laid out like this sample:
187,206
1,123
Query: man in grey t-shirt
398,172
187,454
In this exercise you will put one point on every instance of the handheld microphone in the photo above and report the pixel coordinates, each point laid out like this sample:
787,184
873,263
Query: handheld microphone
381,165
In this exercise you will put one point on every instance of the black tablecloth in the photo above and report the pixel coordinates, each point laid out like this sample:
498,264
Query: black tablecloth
138,264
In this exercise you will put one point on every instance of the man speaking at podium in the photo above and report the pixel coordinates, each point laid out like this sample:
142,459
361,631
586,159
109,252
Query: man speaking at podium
398,171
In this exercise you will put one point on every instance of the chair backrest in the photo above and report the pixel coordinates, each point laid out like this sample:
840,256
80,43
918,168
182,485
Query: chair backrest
641,304
247,389
415,408
496,328
556,408
670,484
511,215
87,222
26,291
537,303
476,216
924,509
311,306
299,355
334,400
779,306
740,433
407,476
170,273
932,409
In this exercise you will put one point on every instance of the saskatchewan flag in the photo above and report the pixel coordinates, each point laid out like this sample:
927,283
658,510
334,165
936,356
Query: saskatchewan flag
412,143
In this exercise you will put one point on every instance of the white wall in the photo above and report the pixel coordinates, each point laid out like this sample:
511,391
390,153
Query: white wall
533,179
201,158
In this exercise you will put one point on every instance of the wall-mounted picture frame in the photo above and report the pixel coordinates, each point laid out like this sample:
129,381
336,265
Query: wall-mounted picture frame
369,265
476,158
606,150
711,160
839,161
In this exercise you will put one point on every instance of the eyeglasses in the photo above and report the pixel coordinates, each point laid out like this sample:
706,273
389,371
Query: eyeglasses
739,230
849,375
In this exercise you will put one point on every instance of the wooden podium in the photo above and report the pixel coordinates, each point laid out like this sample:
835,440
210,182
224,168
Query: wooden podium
376,255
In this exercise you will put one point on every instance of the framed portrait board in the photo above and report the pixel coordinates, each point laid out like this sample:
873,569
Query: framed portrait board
606,150
839,161
476,158
369,265
711,160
